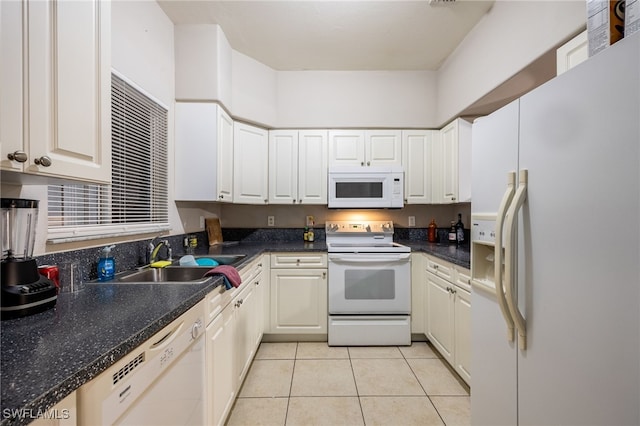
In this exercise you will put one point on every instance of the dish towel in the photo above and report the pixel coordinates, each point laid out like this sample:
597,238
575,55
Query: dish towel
229,274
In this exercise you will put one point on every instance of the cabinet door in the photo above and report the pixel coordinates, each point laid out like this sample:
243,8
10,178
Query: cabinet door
346,148
283,167
448,159
225,157
312,171
416,161
572,53
64,413
462,322
440,318
244,333
299,301
196,149
383,147
250,164
418,307
69,96
11,83
221,378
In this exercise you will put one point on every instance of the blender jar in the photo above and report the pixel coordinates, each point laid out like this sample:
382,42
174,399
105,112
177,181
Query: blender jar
19,218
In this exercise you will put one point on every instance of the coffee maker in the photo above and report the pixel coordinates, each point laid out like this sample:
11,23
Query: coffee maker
24,290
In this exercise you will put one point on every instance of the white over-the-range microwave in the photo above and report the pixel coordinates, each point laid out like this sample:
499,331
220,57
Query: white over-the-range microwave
354,187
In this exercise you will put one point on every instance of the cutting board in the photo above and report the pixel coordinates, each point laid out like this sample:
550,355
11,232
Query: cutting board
214,232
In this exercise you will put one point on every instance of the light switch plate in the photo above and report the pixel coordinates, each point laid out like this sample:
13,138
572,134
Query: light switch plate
412,221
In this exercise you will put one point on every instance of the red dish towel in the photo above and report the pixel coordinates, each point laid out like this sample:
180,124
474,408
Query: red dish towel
230,274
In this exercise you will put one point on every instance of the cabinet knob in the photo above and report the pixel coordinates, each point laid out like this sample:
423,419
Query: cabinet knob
19,156
368,163
43,161
221,196
362,163
324,275
453,198
266,201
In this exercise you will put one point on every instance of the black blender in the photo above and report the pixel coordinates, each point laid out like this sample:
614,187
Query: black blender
24,290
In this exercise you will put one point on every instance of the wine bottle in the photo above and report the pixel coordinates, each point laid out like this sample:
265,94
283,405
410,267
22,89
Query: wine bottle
459,230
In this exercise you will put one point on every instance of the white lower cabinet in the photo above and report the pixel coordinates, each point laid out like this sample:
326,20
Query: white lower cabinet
220,376
418,277
298,294
447,302
233,335
64,413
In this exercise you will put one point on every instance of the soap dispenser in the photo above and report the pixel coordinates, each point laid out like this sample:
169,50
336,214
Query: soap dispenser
106,265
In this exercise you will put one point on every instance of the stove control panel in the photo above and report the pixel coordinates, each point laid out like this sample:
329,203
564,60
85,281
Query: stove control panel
375,226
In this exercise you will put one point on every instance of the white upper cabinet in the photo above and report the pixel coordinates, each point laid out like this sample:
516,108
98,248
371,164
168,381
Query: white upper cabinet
312,172
383,147
365,147
346,148
250,164
283,167
572,53
56,107
203,153
417,147
298,167
452,163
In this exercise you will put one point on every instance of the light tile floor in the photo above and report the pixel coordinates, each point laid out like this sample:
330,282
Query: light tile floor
313,384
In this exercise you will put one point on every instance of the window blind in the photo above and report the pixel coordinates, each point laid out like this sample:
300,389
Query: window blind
137,199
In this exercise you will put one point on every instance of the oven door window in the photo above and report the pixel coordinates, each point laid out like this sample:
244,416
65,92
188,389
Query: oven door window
362,284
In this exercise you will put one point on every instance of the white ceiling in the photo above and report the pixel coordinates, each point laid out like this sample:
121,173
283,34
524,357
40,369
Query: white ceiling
337,35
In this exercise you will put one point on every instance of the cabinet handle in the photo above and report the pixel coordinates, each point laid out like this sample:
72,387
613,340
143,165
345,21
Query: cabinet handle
19,156
368,163
324,275
43,161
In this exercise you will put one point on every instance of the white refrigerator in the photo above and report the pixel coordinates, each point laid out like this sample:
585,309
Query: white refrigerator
562,250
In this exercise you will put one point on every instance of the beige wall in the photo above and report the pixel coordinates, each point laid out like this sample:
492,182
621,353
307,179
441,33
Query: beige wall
248,216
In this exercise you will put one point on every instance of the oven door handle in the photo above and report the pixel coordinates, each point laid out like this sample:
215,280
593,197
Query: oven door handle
365,258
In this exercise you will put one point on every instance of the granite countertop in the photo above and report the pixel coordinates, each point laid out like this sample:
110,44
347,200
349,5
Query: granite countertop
458,255
46,356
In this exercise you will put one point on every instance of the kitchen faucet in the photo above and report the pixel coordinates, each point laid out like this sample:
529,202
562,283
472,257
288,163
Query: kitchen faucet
154,248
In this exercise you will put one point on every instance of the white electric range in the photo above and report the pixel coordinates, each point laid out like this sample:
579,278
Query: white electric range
369,285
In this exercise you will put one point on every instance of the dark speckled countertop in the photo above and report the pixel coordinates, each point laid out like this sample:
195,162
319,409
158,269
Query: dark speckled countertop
45,357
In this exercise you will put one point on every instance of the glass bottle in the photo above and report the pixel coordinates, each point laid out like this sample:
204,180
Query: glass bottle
459,230
432,231
452,233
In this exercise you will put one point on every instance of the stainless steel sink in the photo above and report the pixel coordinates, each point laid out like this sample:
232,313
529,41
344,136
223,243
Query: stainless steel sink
222,259
170,274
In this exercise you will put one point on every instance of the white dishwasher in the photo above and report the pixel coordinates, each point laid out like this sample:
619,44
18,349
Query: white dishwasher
159,383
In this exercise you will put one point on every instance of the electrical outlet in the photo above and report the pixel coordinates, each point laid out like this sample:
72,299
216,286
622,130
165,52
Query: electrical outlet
201,222
412,221
271,221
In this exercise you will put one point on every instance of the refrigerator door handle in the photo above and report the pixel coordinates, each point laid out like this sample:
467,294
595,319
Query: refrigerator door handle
512,241
500,293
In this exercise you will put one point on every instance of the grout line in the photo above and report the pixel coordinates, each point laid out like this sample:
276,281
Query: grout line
293,372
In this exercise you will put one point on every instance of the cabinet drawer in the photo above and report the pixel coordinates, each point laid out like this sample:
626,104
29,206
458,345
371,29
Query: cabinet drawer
214,302
440,268
463,278
298,260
